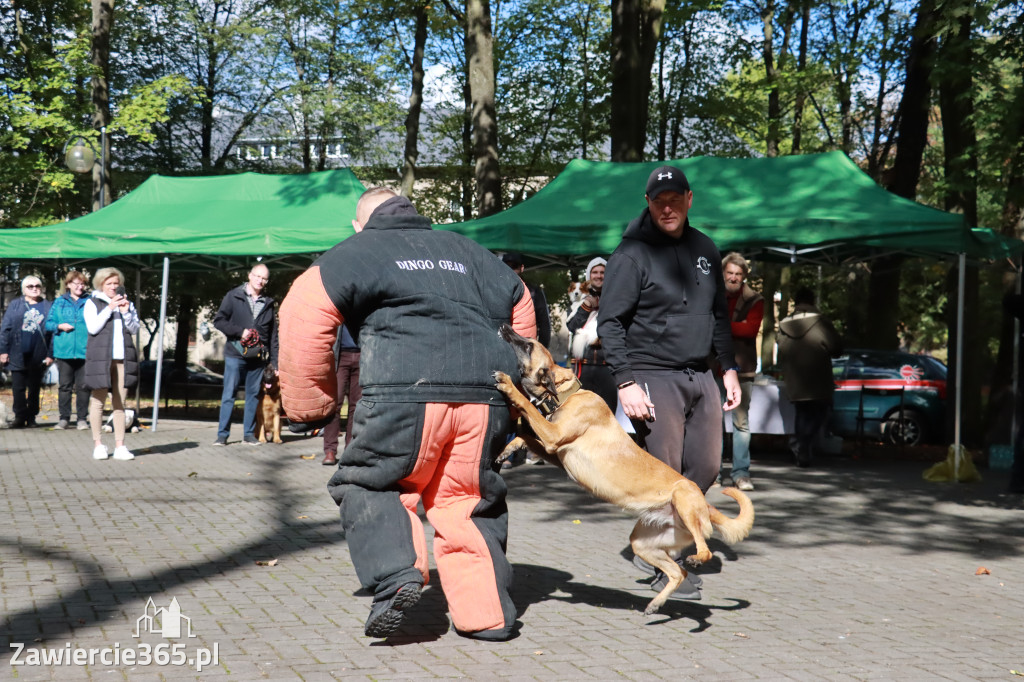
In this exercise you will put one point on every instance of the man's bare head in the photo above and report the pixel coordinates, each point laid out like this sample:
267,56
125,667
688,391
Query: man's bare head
368,203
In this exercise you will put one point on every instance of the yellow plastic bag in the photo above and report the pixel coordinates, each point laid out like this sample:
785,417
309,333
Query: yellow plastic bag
948,470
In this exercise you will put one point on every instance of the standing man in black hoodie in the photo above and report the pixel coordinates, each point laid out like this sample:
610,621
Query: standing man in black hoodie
663,313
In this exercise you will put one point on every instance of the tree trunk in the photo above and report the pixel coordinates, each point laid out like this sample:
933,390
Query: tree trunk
186,313
480,63
412,119
884,283
801,68
636,28
102,21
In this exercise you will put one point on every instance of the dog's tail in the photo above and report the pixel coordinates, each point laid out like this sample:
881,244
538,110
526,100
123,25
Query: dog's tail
738,528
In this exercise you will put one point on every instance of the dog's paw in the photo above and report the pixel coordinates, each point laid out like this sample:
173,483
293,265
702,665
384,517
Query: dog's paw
513,447
503,382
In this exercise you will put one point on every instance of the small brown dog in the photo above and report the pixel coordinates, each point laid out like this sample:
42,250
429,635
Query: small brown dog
268,417
582,436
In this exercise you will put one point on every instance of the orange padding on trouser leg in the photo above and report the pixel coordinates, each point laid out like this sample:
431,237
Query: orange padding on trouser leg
447,475
309,323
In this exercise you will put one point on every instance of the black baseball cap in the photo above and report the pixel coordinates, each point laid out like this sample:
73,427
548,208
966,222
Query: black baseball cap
665,179
512,258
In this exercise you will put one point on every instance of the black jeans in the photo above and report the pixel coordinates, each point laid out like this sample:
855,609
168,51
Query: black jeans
72,380
26,383
811,417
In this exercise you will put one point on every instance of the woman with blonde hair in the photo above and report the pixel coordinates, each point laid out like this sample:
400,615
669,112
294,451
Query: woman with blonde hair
111,361
25,348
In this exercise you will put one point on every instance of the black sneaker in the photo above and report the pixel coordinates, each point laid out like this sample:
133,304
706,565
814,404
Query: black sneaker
386,615
221,440
251,440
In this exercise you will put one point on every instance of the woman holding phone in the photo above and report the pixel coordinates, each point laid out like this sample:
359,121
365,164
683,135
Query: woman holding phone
111,361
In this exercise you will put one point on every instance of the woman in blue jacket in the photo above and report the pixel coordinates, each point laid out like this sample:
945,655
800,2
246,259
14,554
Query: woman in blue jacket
25,349
66,322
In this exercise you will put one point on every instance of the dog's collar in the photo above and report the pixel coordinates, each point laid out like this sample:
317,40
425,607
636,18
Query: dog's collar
549,405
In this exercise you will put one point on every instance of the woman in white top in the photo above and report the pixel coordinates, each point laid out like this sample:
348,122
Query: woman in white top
111,361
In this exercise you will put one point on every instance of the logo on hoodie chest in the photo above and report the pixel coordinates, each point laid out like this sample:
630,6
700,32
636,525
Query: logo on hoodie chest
704,265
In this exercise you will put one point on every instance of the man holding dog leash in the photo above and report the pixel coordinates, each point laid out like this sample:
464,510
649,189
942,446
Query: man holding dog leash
246,317
663,313
425,306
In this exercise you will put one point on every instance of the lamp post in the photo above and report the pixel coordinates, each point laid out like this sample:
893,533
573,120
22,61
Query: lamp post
80,157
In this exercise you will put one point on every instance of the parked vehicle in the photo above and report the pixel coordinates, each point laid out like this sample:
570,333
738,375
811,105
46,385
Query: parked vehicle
888,376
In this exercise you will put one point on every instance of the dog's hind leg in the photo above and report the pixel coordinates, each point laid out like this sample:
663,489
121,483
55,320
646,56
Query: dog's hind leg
693,514
651,543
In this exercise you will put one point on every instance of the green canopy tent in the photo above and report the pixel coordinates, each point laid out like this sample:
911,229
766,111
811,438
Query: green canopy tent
816,207
202,220
218,222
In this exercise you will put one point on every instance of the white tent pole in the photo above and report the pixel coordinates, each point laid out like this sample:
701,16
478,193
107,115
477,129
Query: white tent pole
961,286
160,343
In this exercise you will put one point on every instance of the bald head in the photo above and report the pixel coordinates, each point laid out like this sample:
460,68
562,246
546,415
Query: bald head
368,203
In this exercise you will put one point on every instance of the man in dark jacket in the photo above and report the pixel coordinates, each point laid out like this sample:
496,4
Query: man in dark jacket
426,306
246,317
663,313
807,344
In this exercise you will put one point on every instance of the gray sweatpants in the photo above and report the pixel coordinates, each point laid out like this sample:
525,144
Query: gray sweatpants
687,431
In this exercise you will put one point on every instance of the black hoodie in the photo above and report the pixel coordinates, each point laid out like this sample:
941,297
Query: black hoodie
663,303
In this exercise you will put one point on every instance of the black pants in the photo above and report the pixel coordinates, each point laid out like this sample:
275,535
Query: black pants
600,380
26,383
811,416
72,381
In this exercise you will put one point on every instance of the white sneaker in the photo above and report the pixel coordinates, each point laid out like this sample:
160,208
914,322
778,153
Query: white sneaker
122,452
100,452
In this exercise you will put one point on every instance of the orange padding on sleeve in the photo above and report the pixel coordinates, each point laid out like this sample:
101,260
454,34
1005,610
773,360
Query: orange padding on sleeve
309,323
524,319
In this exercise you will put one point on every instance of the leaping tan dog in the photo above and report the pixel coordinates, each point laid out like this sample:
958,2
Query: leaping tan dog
581,435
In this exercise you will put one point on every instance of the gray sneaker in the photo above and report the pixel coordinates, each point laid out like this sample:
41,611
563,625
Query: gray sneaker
221,440
83,425
694,579
686,590
62,424
744,483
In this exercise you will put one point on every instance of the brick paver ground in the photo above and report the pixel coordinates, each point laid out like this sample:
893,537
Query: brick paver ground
856,570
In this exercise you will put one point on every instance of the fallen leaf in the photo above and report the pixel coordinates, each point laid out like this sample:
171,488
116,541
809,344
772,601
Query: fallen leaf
193,474
1012,672
740,634
538,653
577,521
308,456
303,517
982,571
272,562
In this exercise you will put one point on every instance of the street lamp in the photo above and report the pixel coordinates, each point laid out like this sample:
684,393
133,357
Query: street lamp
80,157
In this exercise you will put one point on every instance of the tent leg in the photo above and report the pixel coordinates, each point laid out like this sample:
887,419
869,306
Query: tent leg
138,341
961,287
160,343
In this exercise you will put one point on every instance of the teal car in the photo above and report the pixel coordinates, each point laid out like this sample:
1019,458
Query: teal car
894,396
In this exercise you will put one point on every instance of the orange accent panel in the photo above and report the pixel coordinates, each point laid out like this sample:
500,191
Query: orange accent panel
447,475
309,323
524,319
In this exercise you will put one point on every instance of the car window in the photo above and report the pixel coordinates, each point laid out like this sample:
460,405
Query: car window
866,368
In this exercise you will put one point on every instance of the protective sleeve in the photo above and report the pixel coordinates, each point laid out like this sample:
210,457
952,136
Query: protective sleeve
309,323
524,319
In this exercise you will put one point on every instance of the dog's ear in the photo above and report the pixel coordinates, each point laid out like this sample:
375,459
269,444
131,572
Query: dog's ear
562,374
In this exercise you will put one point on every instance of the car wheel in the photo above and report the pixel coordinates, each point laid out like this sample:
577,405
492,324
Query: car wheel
906,428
